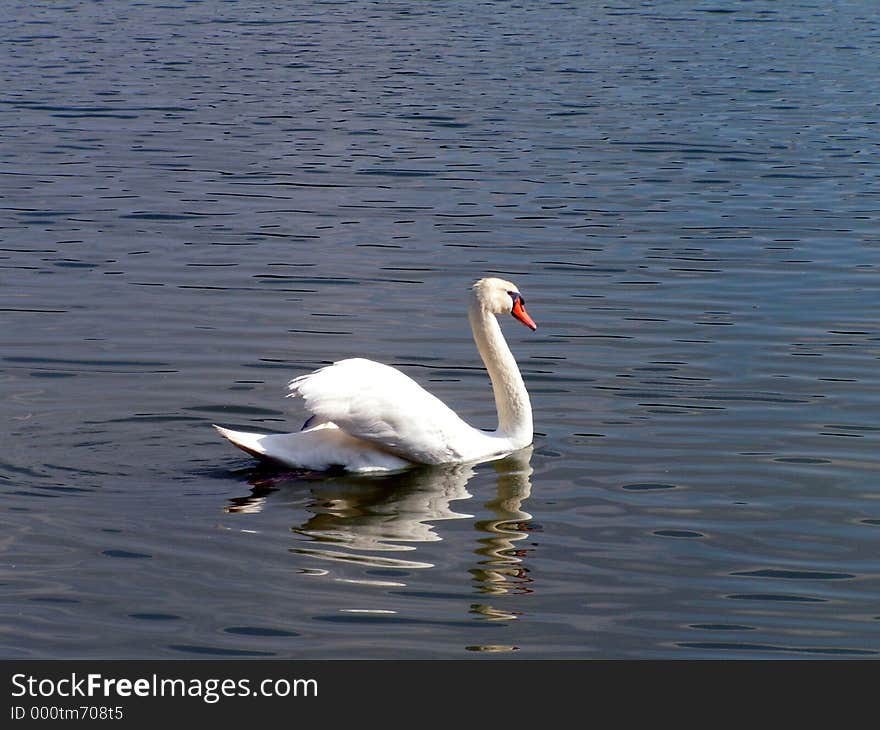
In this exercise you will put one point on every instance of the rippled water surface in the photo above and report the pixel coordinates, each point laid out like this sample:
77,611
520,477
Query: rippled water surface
202,200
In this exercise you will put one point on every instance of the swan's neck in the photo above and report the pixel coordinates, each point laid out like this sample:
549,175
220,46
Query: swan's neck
511,396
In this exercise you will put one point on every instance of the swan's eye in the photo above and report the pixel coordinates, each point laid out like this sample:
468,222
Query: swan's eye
517,297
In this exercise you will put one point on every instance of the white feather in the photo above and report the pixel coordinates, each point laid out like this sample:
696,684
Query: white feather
319,448
383,406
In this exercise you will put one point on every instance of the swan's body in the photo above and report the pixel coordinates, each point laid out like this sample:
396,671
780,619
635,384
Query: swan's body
372,417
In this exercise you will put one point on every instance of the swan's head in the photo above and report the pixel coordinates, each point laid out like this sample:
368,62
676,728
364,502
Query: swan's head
502,297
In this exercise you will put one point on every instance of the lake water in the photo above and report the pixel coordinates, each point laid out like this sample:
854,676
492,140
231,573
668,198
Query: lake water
202,200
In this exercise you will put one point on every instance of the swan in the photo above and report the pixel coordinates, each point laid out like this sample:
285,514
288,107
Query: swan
369,417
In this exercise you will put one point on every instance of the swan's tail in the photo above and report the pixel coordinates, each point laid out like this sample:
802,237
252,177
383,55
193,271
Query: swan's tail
249,442
318,448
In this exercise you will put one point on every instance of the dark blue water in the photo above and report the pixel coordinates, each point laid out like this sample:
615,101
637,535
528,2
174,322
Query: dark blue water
201,200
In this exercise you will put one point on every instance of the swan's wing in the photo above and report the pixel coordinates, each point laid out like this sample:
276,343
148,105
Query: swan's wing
380,404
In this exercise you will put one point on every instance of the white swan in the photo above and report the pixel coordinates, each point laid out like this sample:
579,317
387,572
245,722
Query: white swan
371,417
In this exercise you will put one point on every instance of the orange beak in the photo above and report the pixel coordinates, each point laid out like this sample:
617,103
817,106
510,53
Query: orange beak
519,311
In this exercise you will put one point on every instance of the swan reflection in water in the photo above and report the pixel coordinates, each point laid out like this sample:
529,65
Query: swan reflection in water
380,522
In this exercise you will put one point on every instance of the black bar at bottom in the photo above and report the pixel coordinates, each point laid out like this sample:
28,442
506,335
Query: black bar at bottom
130,693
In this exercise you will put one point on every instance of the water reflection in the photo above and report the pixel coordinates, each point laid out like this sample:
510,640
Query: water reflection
501,569
380,523
370,522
